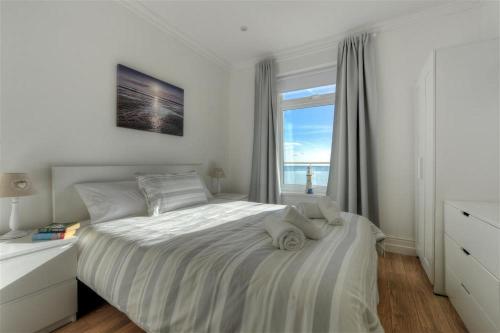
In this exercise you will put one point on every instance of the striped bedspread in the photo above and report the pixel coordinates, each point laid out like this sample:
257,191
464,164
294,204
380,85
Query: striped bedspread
212,268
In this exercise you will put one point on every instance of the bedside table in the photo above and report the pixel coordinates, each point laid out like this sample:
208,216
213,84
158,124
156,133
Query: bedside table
232,196
38,290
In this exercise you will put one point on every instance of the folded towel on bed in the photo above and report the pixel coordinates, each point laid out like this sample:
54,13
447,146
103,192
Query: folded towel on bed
324,208
311,229
330,210
310,210
285,235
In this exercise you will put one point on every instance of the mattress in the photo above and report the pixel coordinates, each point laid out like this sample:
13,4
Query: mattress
212,268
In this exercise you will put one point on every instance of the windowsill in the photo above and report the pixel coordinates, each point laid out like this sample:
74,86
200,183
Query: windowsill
302,194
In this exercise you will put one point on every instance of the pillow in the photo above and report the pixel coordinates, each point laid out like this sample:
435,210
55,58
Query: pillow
167,192
207,192
112,200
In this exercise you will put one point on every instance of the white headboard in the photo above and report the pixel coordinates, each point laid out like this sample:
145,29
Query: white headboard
66,203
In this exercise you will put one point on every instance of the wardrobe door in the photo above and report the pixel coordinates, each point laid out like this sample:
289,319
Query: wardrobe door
419,167
425,168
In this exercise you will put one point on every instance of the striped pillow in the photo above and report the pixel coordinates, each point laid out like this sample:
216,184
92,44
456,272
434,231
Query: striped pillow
166,192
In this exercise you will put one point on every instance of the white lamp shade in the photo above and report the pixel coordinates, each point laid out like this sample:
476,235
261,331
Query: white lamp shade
217,173
15,185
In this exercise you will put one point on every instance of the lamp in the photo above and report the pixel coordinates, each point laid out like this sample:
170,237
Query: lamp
14,185
218,173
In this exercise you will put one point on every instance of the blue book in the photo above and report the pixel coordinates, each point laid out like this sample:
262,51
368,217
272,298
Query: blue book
47,236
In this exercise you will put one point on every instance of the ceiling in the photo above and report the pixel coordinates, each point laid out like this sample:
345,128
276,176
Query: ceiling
272,25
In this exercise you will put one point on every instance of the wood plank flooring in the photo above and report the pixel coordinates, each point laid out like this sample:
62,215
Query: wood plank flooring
407,304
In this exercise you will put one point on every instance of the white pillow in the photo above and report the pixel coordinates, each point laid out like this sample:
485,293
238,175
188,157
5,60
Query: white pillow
207,192
112,200
167,192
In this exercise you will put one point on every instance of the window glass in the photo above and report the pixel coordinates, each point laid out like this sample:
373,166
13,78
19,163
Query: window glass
307,140
316,91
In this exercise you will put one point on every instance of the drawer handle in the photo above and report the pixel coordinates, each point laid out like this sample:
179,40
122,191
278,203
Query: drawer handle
465,251
465,214
468,292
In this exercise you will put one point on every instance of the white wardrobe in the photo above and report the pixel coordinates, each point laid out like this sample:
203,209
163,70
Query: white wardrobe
456,141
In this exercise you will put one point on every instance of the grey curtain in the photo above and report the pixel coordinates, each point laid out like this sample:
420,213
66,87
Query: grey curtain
352,179
264,177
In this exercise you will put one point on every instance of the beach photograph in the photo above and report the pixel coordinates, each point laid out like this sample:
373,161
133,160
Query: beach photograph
148,104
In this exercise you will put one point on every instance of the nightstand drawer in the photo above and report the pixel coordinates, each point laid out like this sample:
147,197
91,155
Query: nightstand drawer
39,310
27,274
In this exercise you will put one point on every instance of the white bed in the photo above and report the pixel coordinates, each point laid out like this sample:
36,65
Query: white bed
212,268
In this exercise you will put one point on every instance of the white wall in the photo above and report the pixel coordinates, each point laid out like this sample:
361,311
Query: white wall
58,100
401,54
467,132
240,130
401,51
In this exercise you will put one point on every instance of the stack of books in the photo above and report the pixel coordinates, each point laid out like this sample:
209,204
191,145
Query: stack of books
56,231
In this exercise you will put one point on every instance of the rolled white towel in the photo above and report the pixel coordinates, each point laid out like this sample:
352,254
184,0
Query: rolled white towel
310,210
330,210
285,236
311,229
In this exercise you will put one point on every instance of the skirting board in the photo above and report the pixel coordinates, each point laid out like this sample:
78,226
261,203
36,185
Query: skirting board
400,245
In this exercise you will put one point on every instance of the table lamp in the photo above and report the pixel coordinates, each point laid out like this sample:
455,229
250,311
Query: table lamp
218,173
15,185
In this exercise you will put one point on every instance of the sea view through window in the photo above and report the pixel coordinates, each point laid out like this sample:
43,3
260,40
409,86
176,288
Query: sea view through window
307,120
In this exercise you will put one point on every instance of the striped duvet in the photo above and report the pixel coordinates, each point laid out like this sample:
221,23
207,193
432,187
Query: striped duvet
212,268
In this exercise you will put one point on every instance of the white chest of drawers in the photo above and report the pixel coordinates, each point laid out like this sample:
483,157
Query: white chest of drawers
472,260
38,289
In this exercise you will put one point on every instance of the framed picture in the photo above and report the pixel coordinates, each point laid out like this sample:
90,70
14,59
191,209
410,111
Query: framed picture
148,104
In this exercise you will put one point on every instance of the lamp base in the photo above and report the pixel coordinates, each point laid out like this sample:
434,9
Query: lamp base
13,234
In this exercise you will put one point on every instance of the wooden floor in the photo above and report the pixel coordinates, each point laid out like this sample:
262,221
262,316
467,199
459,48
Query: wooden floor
407,304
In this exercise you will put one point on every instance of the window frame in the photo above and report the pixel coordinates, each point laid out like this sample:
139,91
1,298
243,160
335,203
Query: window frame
292,104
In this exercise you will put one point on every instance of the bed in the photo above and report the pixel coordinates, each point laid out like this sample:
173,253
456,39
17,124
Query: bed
212,268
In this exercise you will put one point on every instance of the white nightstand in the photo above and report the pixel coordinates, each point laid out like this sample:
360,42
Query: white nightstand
232,196
38,290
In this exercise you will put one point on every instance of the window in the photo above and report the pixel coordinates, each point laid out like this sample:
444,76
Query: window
306,128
